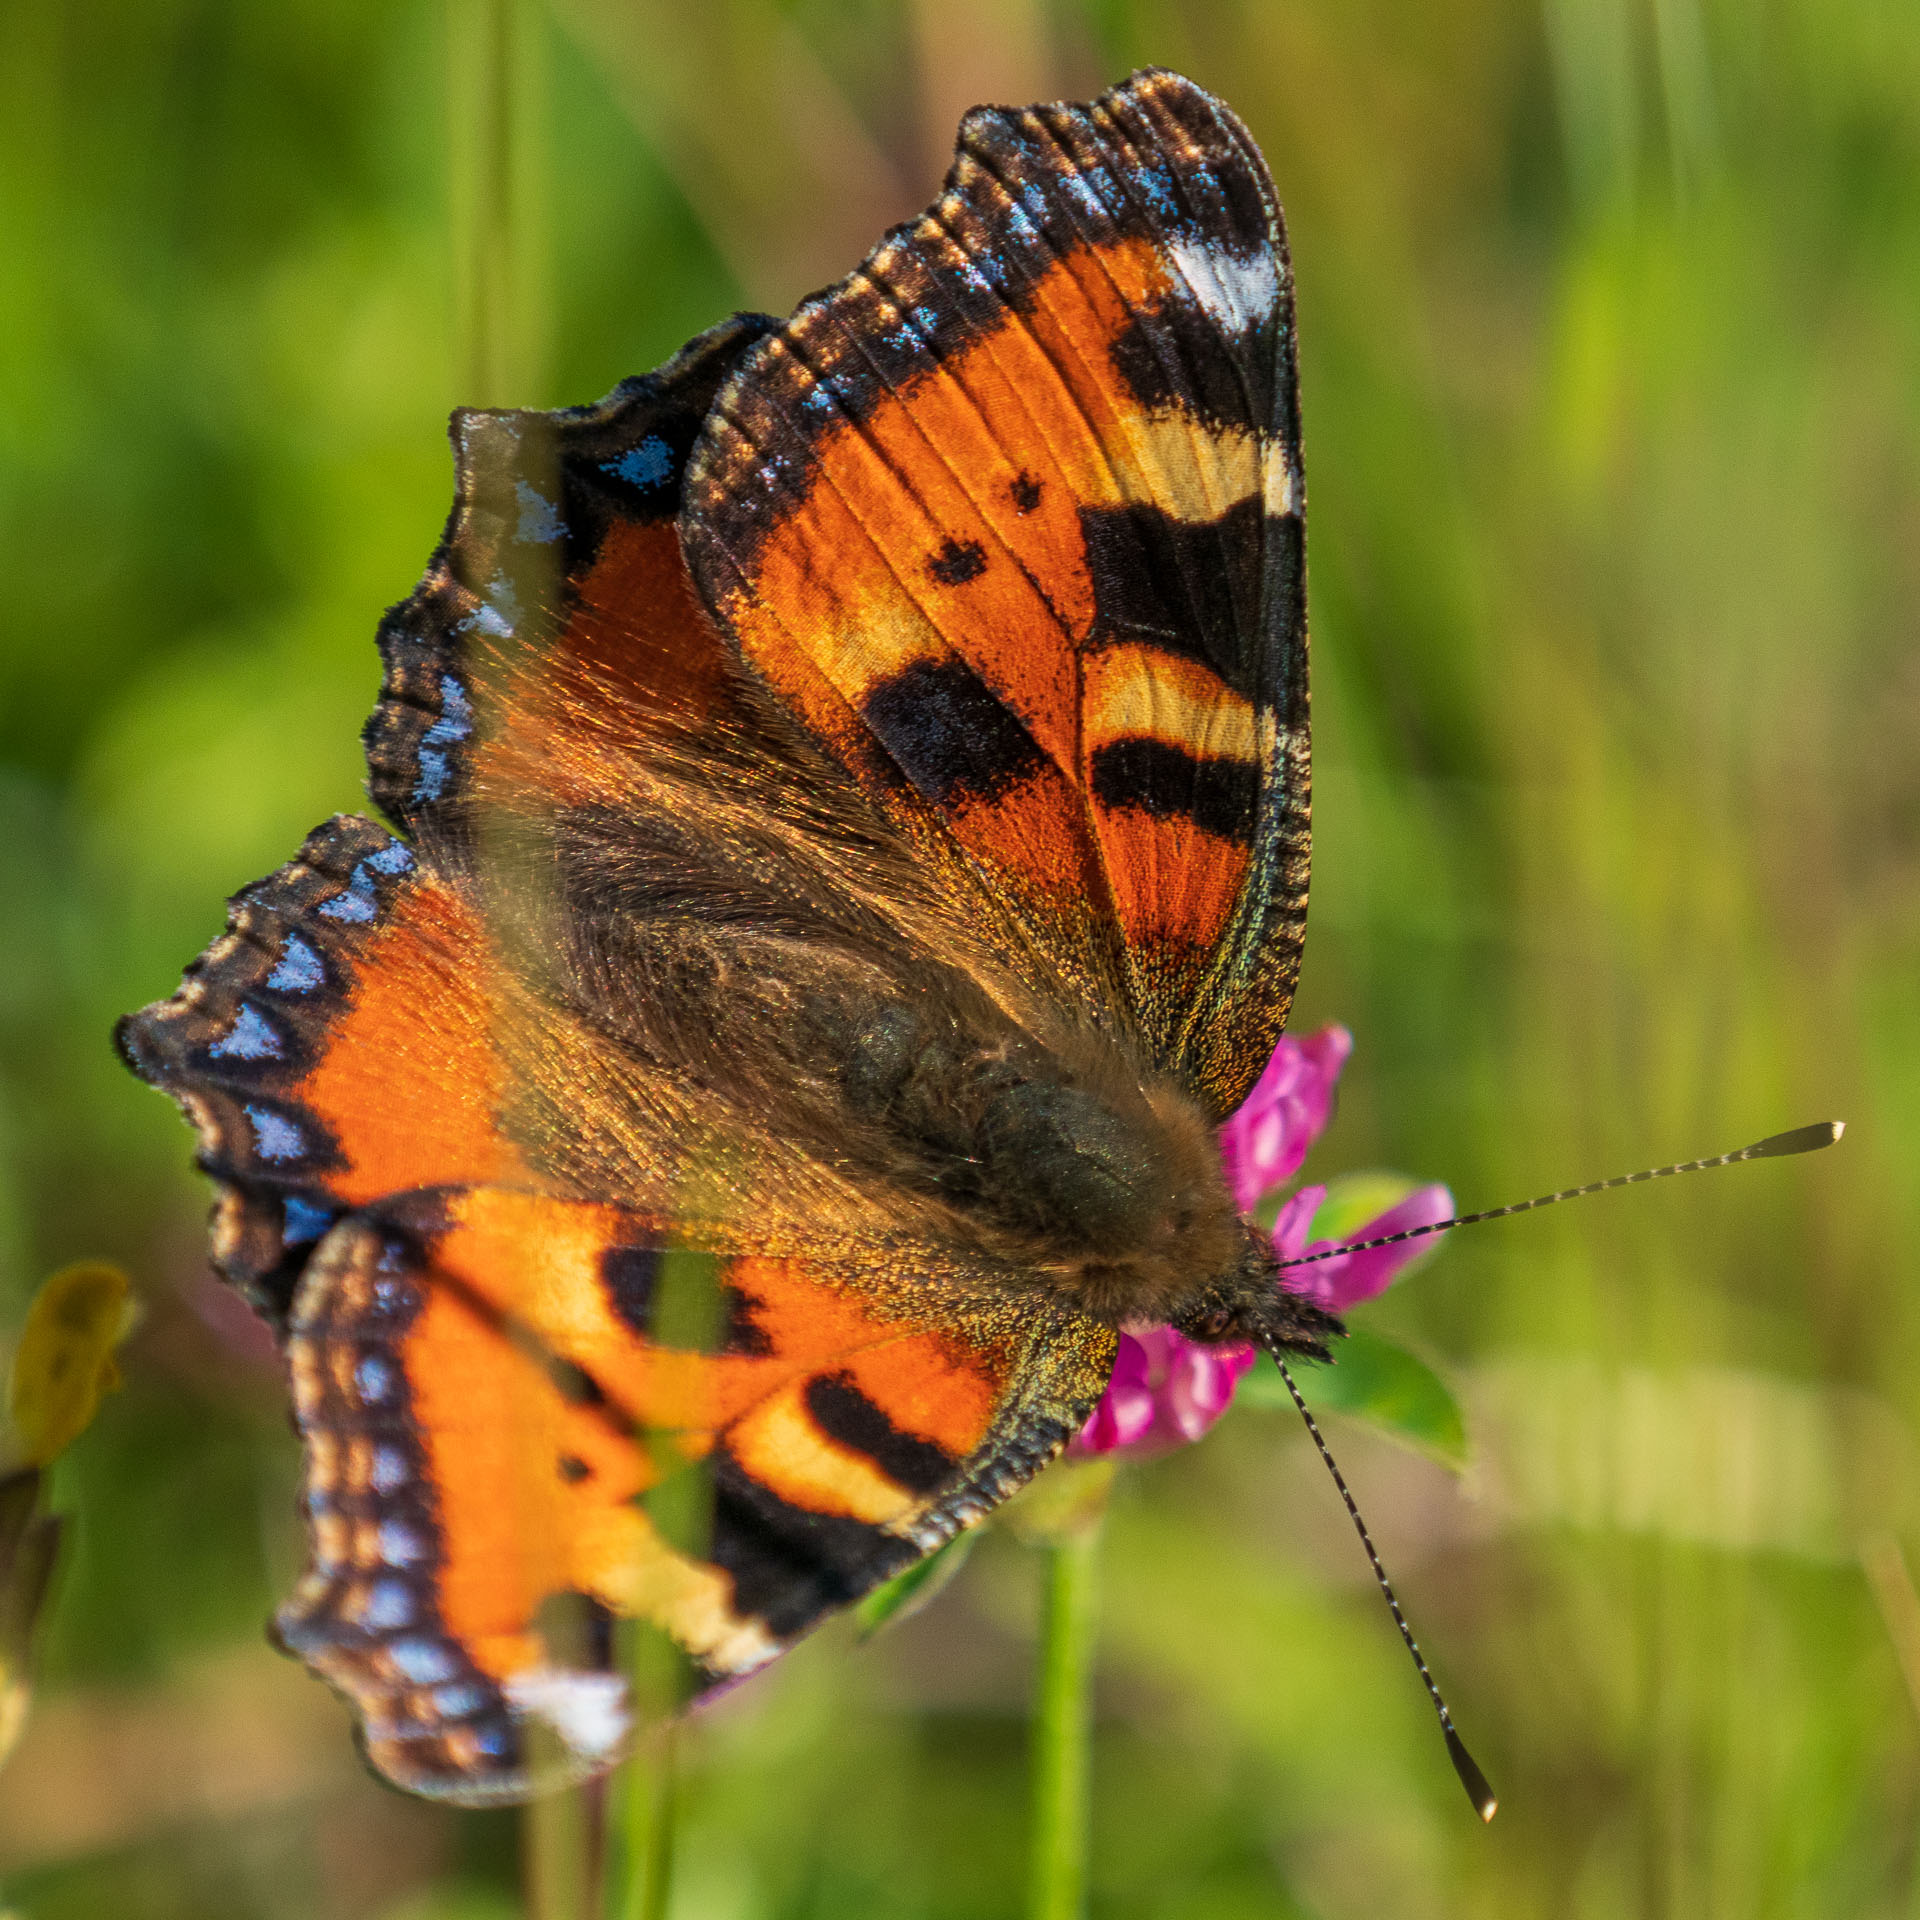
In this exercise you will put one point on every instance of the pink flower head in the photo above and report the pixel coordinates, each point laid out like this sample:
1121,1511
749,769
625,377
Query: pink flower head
1167,1390
1348,1278
1263,1144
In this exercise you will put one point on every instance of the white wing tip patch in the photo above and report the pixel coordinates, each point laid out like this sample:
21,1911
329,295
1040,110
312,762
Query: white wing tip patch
1238,293
589,1711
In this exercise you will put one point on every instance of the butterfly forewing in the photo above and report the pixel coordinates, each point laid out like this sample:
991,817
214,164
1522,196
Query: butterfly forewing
1012,518
554,636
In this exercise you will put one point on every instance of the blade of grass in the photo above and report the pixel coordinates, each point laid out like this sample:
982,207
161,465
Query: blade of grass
558,1845
648,1793
495,83
496,73
688,1314
1062,1730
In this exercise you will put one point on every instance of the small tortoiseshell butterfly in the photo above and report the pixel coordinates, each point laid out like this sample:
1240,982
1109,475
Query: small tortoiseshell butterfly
850,823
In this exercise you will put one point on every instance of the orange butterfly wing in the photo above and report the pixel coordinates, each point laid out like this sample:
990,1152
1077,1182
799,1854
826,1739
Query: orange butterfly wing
486,1409
1013,518
399,1094
555,635
333,1047
343,1041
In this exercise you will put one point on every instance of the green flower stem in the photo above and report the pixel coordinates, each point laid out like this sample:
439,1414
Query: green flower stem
646,1815
644,1803
1062,1733
497,193
480,60
493,84
557,1852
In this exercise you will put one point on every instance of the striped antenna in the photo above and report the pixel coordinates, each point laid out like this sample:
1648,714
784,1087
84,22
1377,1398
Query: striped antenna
1800,1140
1485,1803
1823,1133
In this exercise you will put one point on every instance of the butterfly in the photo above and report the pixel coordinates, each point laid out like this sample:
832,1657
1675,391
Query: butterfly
847,846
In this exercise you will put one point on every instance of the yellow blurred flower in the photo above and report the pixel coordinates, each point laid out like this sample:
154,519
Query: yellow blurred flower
65,1360
61,1368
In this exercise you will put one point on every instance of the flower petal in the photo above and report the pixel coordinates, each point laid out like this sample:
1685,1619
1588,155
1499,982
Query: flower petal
1125,1414
1166,1391
1294,1220
1263,1143
1359,1276
1199,1388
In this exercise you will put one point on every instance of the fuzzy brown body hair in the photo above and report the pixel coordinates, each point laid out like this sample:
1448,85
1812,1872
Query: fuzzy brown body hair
753,1005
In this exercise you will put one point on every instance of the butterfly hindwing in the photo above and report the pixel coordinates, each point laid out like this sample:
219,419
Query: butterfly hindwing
490,1414
1012,517
475,1381
555,632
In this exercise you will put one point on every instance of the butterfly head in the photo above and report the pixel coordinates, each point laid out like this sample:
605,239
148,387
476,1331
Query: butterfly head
1248,1306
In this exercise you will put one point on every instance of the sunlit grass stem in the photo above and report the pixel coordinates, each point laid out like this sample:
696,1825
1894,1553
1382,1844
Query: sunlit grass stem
497,199
1063,1726
687,1314
644,1803
648,1789
495,147
557,1848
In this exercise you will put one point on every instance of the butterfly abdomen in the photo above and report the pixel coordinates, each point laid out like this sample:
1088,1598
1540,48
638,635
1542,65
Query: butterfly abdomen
1068,1164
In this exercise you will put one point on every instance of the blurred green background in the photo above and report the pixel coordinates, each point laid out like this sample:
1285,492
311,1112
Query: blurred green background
1611,320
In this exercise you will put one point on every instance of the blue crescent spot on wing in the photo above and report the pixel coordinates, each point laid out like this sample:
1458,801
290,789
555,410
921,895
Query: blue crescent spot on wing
299,969
540,523
251,1037
650,464
275,1137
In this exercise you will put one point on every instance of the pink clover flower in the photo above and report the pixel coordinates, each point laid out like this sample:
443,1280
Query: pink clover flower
1167,1390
